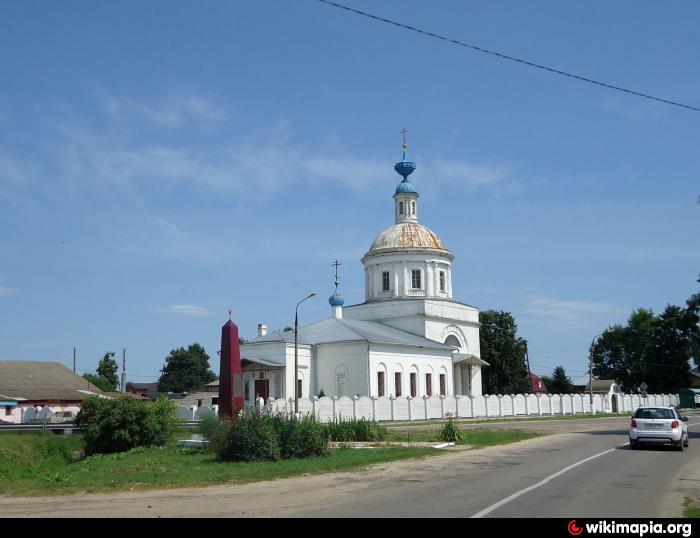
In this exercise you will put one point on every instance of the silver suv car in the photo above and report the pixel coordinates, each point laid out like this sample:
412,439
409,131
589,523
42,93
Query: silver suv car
660,425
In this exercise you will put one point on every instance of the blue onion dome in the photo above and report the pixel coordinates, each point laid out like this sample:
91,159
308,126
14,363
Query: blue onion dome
405,186
405,168
336,300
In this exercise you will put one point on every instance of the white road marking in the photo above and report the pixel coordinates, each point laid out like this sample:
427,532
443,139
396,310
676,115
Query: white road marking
548,479
542,482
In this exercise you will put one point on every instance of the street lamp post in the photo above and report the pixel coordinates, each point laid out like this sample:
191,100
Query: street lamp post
296,352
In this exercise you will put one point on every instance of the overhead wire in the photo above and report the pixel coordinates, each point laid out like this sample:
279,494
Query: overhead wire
507,56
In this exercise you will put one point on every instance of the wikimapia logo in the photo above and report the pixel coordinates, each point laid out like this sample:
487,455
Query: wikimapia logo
637,529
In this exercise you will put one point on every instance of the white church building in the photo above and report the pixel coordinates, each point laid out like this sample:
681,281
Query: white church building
408,338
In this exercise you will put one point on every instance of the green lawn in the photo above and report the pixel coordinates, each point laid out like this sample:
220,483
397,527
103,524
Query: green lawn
477,438
439,422
33,465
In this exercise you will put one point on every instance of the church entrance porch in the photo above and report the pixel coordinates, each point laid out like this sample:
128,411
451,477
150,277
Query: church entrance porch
261,379
262,389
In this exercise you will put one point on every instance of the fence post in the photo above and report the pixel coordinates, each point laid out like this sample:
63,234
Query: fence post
334,399
374,408
425,405
458,399
500,404
527,404
314,399
471,406
486,404
442,406
409,399
392,399
355,397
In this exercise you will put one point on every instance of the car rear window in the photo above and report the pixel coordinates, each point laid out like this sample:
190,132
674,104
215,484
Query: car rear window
655,413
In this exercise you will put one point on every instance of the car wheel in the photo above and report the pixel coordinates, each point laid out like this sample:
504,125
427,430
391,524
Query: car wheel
686,441
634,444
679,446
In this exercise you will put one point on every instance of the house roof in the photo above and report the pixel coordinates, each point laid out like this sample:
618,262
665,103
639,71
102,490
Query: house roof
42,380
333,330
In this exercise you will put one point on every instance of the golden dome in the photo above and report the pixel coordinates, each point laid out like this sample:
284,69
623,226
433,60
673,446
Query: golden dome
406,235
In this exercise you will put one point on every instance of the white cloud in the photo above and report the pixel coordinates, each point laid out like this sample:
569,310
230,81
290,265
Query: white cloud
118,156
186,310
575,312
4,291
173,111
634,108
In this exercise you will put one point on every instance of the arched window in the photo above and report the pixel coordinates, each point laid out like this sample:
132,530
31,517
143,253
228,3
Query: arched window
413,208
341,379
400,208
452,340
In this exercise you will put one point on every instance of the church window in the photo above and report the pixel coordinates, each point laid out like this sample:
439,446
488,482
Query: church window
429,384
380,384
299,387
341,378
414,385
442,385
400,208
442,280
452,340
397,384
413,208
416,279
385,280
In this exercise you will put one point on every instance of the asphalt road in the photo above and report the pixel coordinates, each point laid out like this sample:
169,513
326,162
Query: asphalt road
587,472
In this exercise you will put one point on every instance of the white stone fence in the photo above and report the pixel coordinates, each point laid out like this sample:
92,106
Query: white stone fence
327,409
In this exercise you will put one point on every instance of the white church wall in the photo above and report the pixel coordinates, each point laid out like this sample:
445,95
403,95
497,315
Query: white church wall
404,360
304,360
348,358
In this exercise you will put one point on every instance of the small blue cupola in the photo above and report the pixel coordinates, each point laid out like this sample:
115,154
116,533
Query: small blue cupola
406,195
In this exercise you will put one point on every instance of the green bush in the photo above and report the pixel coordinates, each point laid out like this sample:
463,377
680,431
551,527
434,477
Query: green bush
209,426
122,424
258,437
450,433
246,438
343,430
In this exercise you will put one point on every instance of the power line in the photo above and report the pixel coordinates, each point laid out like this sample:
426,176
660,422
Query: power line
507,57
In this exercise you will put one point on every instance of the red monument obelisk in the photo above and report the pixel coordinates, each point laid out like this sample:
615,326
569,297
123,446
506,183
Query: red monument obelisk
230,372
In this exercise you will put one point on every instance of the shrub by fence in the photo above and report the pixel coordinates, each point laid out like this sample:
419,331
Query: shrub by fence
125,423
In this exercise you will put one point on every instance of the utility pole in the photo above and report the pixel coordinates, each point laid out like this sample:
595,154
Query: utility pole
527,358
74,360
123,371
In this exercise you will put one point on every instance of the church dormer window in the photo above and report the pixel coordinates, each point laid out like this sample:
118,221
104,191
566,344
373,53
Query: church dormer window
442,280
413,208
416,279
385,281
400,208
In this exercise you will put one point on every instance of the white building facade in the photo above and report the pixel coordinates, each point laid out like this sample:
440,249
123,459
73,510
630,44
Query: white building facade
408,338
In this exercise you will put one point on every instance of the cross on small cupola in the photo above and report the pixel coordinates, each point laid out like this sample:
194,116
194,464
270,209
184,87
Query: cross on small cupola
336,300
406,196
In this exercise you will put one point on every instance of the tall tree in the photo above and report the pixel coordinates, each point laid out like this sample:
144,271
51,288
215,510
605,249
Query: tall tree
101,383
185,370
505,353
560,383
673,345
625,353
107,370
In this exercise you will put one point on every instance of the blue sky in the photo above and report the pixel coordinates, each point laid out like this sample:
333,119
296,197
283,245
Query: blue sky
161,163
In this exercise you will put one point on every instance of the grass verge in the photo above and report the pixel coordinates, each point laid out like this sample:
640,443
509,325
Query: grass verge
691,507
477,437
33,465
